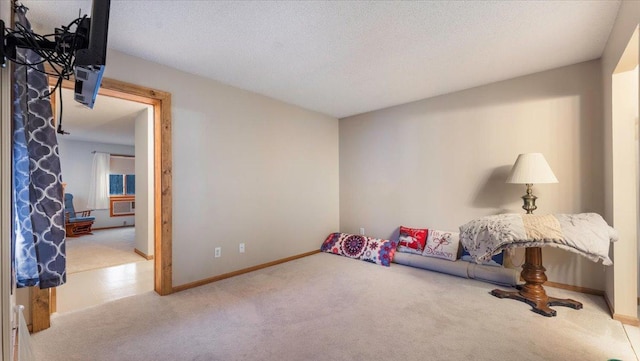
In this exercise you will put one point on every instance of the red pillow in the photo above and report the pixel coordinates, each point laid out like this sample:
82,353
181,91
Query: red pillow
412,240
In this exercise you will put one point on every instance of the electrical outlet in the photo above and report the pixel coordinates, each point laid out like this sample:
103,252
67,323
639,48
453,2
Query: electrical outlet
241,248
362,231
218,252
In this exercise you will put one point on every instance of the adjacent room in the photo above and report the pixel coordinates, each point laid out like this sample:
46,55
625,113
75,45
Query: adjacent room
115,251
320,180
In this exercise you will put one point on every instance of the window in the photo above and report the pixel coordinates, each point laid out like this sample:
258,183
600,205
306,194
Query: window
122,184
130,184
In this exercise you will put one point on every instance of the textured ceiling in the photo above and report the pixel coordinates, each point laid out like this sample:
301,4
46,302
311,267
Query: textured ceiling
111,120
347,57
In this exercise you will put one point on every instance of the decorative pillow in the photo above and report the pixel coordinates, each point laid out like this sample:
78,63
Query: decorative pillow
379,251
412,240
497,260
352,245
373,250
330,242
442,244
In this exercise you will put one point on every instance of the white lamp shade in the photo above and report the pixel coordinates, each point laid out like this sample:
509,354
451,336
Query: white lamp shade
531,168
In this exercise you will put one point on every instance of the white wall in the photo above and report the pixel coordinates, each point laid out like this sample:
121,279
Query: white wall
628,90
443,161
76,159
246,168
625,168
625,113
144,241
621,278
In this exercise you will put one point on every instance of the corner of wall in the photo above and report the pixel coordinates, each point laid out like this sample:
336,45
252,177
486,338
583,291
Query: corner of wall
621,301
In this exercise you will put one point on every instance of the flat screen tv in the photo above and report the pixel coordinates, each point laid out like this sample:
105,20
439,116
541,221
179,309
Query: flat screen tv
90,61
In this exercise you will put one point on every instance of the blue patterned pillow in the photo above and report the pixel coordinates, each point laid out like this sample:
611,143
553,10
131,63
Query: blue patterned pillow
497,260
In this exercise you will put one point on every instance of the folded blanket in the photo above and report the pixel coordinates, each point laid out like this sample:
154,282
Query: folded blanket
586,234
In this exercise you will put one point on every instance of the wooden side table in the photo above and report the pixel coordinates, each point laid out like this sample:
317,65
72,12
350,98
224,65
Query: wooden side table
532,291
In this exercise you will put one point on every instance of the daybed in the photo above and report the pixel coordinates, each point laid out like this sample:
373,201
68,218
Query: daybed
493,274
422,248
484,239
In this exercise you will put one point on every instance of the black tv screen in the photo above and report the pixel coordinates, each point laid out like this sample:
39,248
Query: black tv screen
90,61
96,53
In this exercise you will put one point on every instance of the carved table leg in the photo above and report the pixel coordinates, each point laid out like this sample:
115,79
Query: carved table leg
532,291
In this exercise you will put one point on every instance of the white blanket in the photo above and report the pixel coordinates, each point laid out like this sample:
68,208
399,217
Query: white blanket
586,234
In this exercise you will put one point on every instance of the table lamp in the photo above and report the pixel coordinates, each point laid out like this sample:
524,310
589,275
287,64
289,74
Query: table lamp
530,169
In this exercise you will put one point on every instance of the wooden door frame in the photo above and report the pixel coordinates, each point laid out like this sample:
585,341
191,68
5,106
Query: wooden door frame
161,102
163,270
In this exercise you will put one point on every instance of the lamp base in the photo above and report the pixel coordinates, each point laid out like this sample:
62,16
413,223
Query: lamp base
529,200
532,291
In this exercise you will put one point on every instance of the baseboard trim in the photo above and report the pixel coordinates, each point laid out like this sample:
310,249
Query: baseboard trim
239,272
140,253
113,227
563,286
627,320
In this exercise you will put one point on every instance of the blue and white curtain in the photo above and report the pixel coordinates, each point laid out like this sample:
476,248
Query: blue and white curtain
38,212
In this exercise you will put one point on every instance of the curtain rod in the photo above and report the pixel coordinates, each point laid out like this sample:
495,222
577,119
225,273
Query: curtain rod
117,155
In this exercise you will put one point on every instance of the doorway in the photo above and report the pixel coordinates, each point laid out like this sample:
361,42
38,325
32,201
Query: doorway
114,260
41,300
161,102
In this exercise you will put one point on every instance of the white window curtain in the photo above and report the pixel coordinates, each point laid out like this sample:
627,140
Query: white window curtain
99,185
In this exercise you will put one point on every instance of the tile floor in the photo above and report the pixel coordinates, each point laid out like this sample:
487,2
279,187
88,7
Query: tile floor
634,337
94,287
633,333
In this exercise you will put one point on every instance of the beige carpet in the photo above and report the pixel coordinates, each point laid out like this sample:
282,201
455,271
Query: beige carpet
326,307
103,248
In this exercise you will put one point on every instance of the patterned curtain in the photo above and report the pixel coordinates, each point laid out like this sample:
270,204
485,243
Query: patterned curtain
39,233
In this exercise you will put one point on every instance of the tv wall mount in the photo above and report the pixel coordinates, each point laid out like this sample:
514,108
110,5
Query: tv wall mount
78,49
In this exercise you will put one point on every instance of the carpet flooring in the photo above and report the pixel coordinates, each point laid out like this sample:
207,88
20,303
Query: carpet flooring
103,248
326,307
